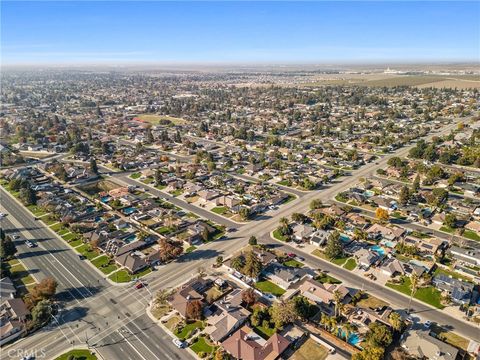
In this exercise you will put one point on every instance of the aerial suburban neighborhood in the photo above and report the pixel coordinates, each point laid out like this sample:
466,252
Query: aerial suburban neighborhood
237,211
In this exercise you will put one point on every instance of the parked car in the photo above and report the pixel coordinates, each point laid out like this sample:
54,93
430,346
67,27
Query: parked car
81,257
427,324
2,215
15,237
291,255
178,343
29,244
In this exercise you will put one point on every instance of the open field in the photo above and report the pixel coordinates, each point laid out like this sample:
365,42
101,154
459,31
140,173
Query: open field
161,119
99,186
391,80
310,350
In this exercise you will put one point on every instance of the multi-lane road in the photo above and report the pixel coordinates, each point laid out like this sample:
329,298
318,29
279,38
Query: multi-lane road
113,318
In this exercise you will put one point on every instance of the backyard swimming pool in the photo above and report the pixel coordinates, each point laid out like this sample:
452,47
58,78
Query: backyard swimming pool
344,238
130,238
353,337
378,249
129,210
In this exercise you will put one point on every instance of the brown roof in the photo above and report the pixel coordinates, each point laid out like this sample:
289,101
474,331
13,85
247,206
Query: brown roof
245,344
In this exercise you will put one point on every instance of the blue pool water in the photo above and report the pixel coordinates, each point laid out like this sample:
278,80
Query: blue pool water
129,210
388,243
368,193
105,199
130,238
378,249
353,338
344,238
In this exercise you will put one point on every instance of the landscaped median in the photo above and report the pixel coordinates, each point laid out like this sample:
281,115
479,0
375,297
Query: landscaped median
78,354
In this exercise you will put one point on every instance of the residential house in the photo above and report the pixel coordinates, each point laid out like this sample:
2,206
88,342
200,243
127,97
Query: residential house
132,261
225,316
459,291
245,344
465,256
323,294
426,246
188,293
378,231
421,344
392,267
283,276
13,316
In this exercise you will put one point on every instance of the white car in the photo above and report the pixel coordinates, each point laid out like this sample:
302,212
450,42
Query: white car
15,237
29,243
178,343
427,324
2,215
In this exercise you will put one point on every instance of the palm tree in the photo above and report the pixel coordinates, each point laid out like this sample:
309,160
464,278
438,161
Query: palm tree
414,286
337,298
333,324
396,321
324,320
348,329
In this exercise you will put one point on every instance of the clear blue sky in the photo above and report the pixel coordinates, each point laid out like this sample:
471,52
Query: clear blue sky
239,32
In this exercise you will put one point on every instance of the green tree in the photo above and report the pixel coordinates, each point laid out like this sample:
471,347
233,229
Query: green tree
416,184
252,241
93,165
7,247
404,196
28,196
450,221
41,312
219,260
378,335
334,248
396,321
253,265
238,263
315,204
283,313
244,213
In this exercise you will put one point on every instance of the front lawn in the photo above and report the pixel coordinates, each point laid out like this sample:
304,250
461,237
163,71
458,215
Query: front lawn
104,264
472,235
190,249
87,251
447,229
121,276
177,192
188,329
370,301
201,345
428,294
450,337
57,227
339,261
327,279
350,264
78,354
135,175
221,210
278,235
293,263
37,211
269,288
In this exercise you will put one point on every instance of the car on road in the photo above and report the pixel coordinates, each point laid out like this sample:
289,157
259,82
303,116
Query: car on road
427,324
178,343
139,285
30,244
2,215
16,237
81,257
291,255
232,230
